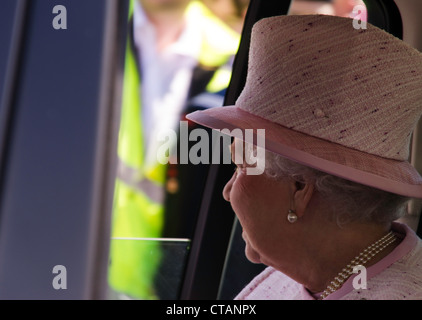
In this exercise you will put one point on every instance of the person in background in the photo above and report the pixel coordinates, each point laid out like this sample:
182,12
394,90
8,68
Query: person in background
232,12
341,8
338,106
345,8
178,59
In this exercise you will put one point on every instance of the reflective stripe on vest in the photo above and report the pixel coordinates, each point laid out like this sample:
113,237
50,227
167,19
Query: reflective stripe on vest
131,177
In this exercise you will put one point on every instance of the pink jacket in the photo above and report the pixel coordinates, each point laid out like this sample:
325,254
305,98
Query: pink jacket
398,276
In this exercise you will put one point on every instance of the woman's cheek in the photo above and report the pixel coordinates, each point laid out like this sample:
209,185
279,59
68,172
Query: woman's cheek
240,197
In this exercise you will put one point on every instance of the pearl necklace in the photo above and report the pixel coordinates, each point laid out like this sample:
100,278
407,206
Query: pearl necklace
360,259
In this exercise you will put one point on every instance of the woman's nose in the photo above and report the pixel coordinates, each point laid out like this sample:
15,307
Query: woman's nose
228,187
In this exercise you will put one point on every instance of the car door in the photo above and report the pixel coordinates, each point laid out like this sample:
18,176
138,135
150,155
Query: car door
59,77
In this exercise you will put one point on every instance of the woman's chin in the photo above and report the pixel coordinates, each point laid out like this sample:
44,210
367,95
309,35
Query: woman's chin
252,256
250,253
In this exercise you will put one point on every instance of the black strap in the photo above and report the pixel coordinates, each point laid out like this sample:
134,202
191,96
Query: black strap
200,78
132,46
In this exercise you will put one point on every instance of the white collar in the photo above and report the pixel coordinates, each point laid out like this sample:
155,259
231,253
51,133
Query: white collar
189,42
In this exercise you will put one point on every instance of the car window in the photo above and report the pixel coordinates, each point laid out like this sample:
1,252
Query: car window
157,205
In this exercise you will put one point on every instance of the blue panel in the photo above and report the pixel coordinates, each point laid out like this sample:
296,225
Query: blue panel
46,199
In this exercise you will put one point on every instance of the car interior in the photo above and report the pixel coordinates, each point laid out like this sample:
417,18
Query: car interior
60,104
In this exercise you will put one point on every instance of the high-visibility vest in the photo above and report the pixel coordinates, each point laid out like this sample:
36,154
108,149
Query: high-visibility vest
138,210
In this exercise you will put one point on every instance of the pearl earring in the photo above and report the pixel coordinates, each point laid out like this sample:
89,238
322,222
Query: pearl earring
292,217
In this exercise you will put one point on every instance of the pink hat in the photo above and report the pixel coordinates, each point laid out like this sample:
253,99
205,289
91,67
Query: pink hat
341,100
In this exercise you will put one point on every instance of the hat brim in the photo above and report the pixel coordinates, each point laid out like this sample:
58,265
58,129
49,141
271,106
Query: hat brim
390,175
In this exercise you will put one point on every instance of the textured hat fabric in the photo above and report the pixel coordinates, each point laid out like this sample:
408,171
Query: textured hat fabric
339,99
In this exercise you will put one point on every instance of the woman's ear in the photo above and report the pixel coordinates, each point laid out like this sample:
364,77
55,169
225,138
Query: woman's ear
302,196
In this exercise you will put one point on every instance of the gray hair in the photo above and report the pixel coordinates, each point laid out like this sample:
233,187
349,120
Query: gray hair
349,201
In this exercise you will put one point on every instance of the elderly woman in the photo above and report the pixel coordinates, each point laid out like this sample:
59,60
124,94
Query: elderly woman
338,106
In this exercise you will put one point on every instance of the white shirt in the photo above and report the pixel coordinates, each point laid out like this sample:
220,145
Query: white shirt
166,78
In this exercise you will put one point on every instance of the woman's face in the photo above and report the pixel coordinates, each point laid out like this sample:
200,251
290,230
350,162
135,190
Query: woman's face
261,204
